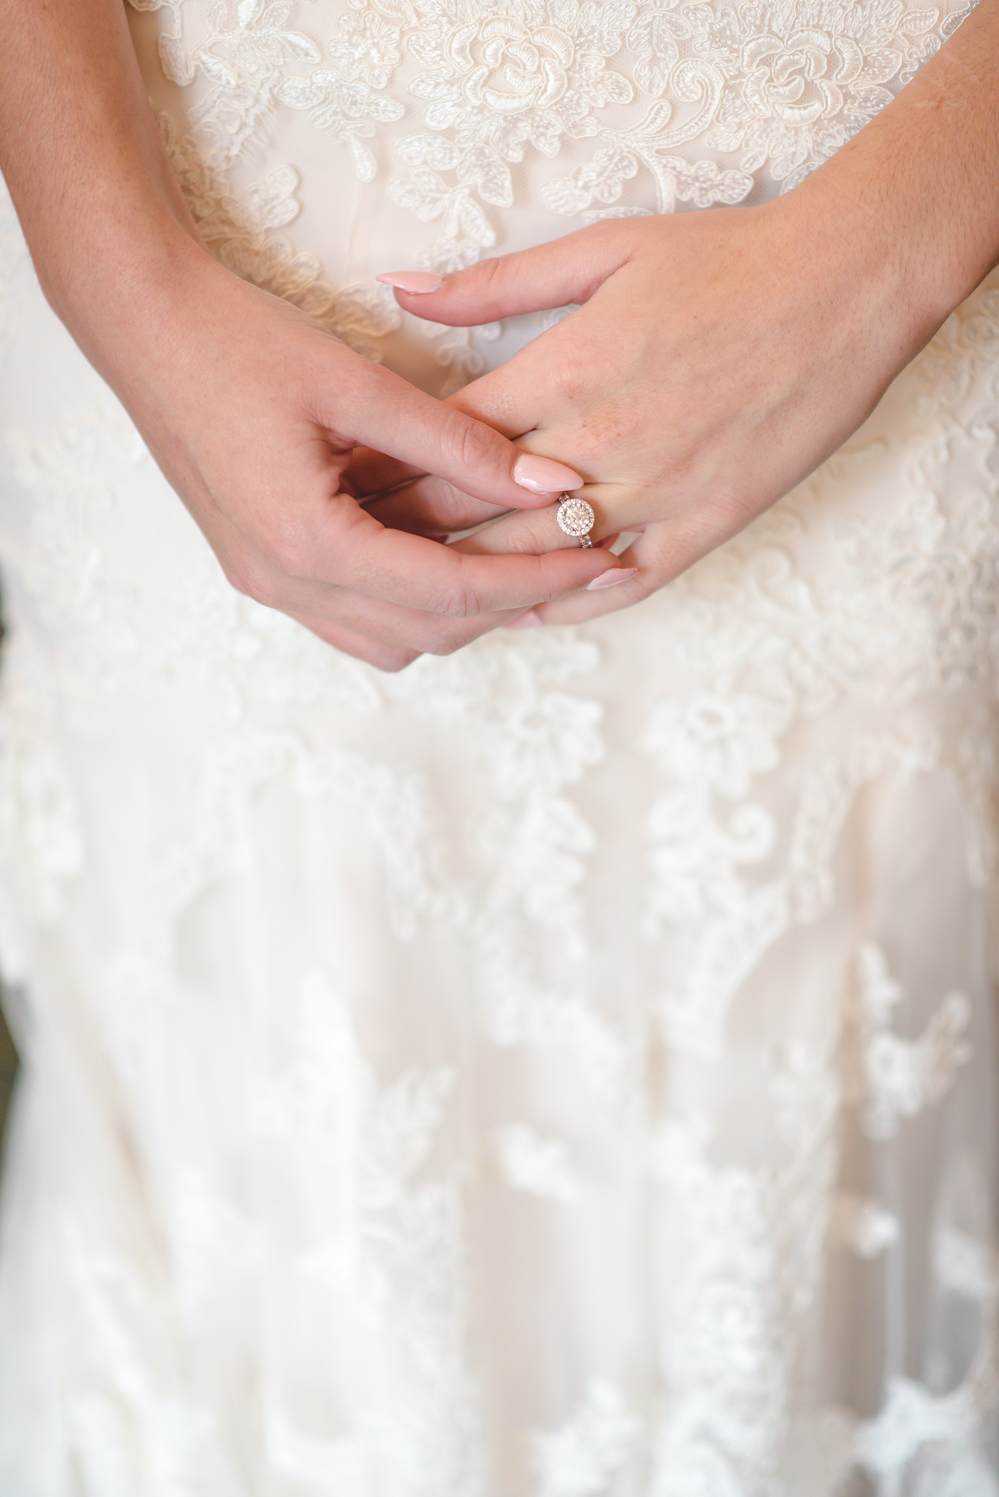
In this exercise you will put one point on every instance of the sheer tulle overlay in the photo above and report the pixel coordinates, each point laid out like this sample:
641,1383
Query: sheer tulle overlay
567,1069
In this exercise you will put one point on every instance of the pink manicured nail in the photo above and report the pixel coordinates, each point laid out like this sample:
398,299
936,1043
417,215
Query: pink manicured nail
543,476
611,578
526,621
416,282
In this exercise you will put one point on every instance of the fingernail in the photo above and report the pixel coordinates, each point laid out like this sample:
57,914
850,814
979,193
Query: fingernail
543,476
526,621
416,282
611,578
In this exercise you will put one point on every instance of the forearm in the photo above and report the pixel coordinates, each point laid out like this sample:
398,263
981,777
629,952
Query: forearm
917,190
100,206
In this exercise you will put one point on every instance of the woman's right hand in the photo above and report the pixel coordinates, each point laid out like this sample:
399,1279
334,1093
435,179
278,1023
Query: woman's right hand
252,410
250,407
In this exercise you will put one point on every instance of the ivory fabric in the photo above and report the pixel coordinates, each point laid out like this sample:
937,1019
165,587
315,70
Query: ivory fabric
565,1069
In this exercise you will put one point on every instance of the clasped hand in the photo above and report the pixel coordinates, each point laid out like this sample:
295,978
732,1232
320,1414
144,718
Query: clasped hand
715,359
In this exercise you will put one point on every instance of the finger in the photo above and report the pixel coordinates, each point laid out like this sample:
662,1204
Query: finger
549,275
660,554
384,411
537,531
372,651
370,472
372,475
432,507
391,638
414,572
530,533
549,396
508,400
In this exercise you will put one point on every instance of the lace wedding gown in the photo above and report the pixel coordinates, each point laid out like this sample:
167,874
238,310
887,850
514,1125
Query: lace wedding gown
566,1069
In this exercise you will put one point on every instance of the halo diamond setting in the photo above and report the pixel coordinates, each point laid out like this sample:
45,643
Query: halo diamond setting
576,518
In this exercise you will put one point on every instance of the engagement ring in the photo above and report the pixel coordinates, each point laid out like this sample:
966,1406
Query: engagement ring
576,518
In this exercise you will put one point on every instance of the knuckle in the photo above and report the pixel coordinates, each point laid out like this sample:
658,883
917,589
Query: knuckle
489,276
533,534
458,601
255,583
644,586
452,507
269,594
443,644
462,603
290,552
392,661
278,532
572,375
733,506
238,579
471,444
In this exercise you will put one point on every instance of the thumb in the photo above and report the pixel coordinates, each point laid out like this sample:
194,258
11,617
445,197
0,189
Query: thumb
550,275
382,411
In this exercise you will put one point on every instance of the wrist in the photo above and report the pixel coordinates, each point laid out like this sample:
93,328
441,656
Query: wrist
98,250
914,198
116,277
84,160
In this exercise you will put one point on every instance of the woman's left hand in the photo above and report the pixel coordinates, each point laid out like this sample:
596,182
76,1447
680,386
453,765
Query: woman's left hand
716,359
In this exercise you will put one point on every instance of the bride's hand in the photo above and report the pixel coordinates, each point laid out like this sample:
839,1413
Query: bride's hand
252,410
250,407
718,357
715,360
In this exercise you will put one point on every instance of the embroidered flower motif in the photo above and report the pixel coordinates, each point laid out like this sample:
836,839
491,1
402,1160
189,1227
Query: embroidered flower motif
802,78
511,80
243,57
580,1457
898,1078
716,740
247,43
536,1164
499,84
368,48
346,108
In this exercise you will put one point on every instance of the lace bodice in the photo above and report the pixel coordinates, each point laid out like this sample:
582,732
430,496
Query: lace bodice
565,1069
456,128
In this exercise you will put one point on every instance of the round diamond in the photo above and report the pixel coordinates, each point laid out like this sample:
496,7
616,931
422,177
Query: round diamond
575,517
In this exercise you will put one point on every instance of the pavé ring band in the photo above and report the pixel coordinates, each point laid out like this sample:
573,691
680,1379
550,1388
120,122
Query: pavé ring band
576,518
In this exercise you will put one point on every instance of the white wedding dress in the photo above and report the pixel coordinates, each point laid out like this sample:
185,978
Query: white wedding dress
567,1069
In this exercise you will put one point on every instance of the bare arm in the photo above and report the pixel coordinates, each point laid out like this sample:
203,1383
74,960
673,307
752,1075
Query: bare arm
921,182
82,156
